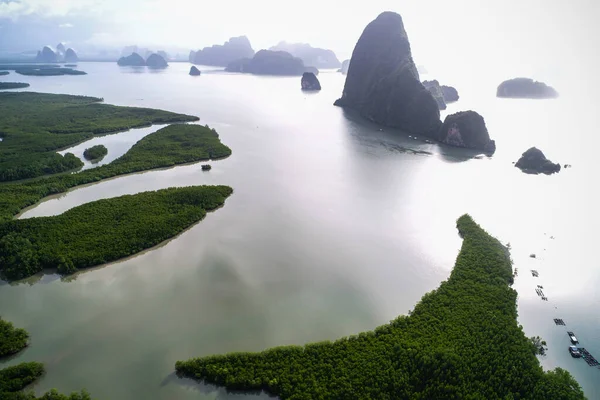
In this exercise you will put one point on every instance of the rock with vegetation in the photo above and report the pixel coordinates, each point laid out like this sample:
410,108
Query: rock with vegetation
436,91
13,85
383,84
267,62
221,55
95,153
533,161
525,88
194,71
133,60
71,56
420,356
311,56
467,129
206,167
310,82
34,126
345,66
89,235
156,61
46,55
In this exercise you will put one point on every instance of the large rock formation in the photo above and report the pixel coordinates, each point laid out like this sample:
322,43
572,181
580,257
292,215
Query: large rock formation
436,91
133,60
311,56
345,66
156,61
71,56
194,71
383,84
310,82
533,161
525,88
466,129
61,49
221,55
267,62
47,55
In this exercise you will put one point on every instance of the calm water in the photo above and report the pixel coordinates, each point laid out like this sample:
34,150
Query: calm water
332,229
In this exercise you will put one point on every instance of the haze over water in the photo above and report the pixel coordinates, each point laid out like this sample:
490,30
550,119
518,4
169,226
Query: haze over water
332,229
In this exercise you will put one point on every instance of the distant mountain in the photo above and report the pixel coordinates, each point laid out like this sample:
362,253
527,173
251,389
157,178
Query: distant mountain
267,62
221,55
156,61
71,56
312,56
47,55
132,60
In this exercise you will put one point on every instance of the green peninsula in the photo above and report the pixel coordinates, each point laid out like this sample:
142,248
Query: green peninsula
462,341
12,340
33,126
102,231
169,146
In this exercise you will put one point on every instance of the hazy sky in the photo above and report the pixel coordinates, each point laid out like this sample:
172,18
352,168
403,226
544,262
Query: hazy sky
474,32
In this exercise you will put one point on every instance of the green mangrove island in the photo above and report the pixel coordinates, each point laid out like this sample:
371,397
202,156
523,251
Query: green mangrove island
33,126
167,147
95,153
13,380
2,73
13,85
102,231
461,341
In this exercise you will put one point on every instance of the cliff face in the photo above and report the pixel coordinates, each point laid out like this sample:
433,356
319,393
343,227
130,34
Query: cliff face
311,56
221,55
383,83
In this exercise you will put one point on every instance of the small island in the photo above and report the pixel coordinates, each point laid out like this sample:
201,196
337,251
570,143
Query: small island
194,71
48,71
525,88
13,85
156,61
95,153
267,62
132,60
310,82
533,161
206,167
467,129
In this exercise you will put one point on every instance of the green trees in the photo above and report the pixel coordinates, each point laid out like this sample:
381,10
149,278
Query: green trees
12,340
16,378
461,341
34,126
171,145
102,231
95,153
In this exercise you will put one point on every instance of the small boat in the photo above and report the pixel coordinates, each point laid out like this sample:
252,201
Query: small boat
574,352
572,337
206,167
